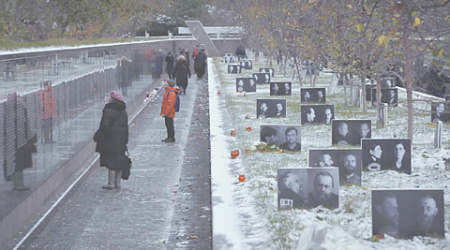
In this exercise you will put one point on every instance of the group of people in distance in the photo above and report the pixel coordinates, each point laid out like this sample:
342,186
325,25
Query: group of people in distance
292,193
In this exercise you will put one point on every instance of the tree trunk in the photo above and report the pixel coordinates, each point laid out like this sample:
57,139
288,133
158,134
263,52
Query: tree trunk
409,83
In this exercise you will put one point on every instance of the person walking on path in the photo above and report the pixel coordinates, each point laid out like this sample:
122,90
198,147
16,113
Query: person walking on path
112,139
181,74
170,59
200,63
168,109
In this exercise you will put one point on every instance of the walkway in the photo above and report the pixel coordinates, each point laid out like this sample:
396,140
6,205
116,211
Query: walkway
166,203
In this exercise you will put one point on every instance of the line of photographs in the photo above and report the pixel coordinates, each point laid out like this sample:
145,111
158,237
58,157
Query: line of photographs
400,213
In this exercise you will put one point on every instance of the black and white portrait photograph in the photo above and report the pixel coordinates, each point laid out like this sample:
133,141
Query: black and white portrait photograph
262,77
246,64
440,111
388,82
349,162
447,98
271,71
311,95
246,84
350,132
266,108
308,188
323,186
388,95
315,114
229,58
292,188
386,154
405,213
234,69
285,137
280,88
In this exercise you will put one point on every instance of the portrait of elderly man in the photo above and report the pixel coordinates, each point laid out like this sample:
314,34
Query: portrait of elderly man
322,193
291,193
341,136
385,214
427,222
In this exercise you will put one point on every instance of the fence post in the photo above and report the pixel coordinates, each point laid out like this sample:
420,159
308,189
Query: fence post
438,135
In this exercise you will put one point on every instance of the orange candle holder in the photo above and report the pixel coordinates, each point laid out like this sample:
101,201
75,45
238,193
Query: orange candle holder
218,92
248,128
233,133
241,178
233,154
247,150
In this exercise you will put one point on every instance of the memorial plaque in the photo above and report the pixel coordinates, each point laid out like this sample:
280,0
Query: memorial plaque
266,108
262,77
315,114
285,137
280,88
234,69
388,95
386,154
246,84
311,95
350,132
271,71
440,111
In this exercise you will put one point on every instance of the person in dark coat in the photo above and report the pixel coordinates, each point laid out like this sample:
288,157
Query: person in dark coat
200,63
181,74
112,139
170,65
22,137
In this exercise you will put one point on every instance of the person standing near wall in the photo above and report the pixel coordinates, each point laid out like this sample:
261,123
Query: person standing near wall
168,109
112,139
200,63
170,60
22,137
181,74
48,111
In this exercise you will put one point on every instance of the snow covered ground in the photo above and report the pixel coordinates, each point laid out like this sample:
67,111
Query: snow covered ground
246,215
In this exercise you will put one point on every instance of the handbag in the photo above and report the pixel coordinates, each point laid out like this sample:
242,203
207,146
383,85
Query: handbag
126,171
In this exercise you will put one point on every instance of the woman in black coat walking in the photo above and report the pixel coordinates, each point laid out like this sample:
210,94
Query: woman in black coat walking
181,74
112,139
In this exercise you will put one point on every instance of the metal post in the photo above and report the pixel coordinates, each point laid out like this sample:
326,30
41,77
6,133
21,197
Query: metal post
382,115
438,135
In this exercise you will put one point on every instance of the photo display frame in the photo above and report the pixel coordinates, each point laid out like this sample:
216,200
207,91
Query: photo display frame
348,161
262,78
386,154
267,70
308,188
285,137
405,213
317,113
245,84
350,132
246,64
234,68
312,95
388,95
280,88
268,108
440,112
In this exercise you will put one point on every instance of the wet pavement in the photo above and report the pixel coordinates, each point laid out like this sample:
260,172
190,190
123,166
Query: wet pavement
166,203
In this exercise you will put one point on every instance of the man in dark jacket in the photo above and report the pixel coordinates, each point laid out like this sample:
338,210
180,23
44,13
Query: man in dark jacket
181,74
200,63
112,139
